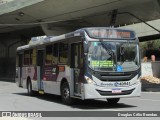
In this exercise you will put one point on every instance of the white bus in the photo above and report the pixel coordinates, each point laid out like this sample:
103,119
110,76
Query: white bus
89,63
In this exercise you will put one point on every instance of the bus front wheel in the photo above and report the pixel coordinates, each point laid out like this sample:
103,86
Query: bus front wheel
113,100
65,94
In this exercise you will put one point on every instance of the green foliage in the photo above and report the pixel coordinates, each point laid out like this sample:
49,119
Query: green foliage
153,44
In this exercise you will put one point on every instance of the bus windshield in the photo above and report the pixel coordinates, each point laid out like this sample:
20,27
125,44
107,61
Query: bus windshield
113,56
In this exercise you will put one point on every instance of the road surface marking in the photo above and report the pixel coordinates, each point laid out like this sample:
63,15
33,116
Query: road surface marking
151,92
147,99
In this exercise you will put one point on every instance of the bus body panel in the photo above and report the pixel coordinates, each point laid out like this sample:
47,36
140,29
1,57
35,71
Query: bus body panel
29,72
51,77
53,87
91,93
106,88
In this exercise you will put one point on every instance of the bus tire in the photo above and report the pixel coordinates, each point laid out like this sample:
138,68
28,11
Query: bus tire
113,100
65,94
29,88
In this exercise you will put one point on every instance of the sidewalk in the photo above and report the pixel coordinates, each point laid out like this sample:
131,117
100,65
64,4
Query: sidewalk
150,87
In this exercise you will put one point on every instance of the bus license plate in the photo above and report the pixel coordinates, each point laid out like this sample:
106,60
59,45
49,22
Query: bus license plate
116,91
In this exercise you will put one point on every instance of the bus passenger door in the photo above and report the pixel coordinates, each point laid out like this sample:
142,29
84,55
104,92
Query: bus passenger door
40,65
77,65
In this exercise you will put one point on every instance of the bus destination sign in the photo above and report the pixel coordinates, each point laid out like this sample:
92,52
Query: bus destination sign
111,33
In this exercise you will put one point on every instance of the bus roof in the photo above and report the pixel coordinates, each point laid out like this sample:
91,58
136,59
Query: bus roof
40,40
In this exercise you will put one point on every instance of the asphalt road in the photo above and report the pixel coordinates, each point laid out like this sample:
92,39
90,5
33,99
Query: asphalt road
13,98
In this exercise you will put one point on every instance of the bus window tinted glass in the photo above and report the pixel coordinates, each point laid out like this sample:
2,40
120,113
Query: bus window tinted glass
33,57
63,49
55,53
26,57
101,56
48,59
127,56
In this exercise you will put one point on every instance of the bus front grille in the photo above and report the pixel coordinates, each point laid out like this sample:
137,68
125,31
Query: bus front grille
109,93
116,76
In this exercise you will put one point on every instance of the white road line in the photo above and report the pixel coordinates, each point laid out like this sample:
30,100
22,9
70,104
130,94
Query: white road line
151,92
147,99
108,110
112,109
14,118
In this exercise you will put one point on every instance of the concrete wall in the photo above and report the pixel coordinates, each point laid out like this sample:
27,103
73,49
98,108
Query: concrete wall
7,68
8,46
156,69
13,5
142,29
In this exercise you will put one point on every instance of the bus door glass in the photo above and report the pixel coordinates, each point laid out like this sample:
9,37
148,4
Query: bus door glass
40,64
77,63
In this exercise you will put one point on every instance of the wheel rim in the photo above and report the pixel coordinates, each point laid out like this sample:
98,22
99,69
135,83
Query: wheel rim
65,93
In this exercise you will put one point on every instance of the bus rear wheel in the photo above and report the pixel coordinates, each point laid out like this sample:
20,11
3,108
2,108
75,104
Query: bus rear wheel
113,100
65,94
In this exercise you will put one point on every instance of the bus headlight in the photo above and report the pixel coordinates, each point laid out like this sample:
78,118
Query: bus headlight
89,80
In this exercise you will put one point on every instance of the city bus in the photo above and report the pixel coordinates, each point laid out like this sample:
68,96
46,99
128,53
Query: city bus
89,63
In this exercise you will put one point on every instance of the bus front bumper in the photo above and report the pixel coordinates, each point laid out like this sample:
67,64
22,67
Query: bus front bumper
95,92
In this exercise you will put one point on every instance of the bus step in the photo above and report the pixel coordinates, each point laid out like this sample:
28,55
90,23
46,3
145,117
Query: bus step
41,92
76,96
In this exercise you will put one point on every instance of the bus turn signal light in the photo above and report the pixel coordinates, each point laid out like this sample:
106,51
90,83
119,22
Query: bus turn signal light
61,68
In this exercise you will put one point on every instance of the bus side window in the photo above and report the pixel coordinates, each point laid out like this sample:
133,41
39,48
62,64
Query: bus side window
33,56
76,55
55,53
63,53
48,59
81,56
26,57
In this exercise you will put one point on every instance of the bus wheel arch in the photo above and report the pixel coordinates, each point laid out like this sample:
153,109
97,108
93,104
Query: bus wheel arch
62,82
65,92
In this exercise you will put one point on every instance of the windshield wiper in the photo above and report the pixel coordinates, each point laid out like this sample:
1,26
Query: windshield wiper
109,51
